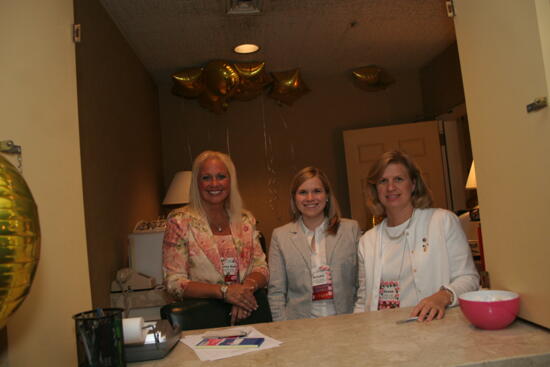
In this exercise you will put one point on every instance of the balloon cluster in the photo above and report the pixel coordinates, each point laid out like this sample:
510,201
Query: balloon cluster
19,239
219,82
371,78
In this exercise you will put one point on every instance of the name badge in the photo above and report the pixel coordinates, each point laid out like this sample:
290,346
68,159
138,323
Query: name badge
322,284
388,294
230,270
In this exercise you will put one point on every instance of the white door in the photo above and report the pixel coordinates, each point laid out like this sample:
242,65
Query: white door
363,146
504,49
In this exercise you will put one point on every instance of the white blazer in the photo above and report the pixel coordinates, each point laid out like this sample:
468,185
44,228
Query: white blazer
445,260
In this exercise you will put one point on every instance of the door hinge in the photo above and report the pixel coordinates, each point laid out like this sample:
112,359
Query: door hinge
77,36
442,140
450,6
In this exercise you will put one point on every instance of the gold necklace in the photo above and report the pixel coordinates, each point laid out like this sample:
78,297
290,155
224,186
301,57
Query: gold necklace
216,227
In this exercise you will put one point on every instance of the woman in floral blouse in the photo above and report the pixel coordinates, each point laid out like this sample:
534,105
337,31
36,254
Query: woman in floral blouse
211,248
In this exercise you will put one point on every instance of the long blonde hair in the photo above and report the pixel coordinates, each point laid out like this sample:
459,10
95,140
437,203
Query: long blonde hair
233,204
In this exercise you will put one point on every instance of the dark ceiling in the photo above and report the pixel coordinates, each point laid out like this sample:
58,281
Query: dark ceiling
322,37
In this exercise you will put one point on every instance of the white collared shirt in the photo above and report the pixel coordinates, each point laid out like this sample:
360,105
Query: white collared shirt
319,308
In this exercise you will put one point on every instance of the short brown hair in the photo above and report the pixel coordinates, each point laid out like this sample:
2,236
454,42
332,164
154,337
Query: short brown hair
421,196
331,211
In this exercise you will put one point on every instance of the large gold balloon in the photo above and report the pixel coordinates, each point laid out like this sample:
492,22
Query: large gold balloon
288,86
220,78
252,80
188,83
19,239
371,78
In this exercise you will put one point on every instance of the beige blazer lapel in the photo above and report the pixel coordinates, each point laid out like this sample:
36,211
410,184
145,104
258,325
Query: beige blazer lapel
299,241
331,243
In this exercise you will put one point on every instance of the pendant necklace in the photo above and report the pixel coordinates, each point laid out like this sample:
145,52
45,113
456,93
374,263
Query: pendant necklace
222,221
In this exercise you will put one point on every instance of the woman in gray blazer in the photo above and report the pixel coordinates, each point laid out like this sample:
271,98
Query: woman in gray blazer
313,259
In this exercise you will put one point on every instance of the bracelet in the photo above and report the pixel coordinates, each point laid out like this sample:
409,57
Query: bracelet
223,289
443,288
255,286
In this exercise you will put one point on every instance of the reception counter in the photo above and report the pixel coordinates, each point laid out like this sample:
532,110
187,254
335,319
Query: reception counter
374,339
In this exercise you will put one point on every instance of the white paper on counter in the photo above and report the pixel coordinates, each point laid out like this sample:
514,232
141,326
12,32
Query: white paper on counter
214,354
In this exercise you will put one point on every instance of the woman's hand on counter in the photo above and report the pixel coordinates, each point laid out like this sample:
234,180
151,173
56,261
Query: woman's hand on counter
432,307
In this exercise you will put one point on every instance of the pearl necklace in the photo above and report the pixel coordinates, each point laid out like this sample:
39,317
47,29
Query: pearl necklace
396,237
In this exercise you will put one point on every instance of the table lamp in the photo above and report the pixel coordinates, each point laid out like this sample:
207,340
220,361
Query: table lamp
471,182
178,192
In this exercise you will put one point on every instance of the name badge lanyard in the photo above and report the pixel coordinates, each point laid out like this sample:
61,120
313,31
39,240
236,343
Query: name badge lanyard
321,279
390,290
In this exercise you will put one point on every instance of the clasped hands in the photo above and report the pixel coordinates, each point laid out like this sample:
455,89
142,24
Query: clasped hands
243,300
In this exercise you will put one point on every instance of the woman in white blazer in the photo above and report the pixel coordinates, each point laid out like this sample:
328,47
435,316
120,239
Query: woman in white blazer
417,256
313,259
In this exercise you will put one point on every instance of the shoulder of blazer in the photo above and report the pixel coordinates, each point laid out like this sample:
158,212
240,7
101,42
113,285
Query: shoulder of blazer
443,218
439,213
371,235
349,222
248,217
290,227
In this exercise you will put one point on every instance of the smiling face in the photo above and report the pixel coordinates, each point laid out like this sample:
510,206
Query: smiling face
214,182
395,188
311,199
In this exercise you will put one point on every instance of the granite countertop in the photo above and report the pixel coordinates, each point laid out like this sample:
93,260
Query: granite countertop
374,339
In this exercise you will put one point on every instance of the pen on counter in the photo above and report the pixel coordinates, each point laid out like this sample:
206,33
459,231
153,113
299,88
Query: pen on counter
407,320
222,335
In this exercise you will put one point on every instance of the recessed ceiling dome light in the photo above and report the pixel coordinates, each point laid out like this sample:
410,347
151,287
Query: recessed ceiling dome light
246,48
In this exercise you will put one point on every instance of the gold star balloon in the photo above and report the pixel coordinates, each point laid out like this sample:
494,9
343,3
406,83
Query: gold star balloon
188,83
19,239
252,80
371,78
288,86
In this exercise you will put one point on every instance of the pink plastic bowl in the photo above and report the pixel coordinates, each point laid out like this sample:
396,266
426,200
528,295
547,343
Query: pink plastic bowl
489,309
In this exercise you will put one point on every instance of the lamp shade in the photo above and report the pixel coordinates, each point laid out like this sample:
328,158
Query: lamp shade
178,192
471,183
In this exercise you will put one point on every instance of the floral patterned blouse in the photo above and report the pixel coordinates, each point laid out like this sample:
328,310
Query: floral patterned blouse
190,252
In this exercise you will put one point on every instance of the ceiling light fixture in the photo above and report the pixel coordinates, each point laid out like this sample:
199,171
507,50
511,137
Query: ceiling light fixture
244,7
246,48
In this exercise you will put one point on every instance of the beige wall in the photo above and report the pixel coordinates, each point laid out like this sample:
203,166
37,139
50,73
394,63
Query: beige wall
505,65
269,143
120,143
38,110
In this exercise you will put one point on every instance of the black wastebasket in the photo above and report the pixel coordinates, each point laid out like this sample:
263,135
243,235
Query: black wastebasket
100,342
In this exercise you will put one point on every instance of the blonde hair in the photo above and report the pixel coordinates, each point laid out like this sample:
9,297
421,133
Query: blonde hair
421,196
233,204
331,211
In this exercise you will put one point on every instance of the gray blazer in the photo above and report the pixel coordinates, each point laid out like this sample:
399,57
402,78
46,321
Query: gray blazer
290,270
